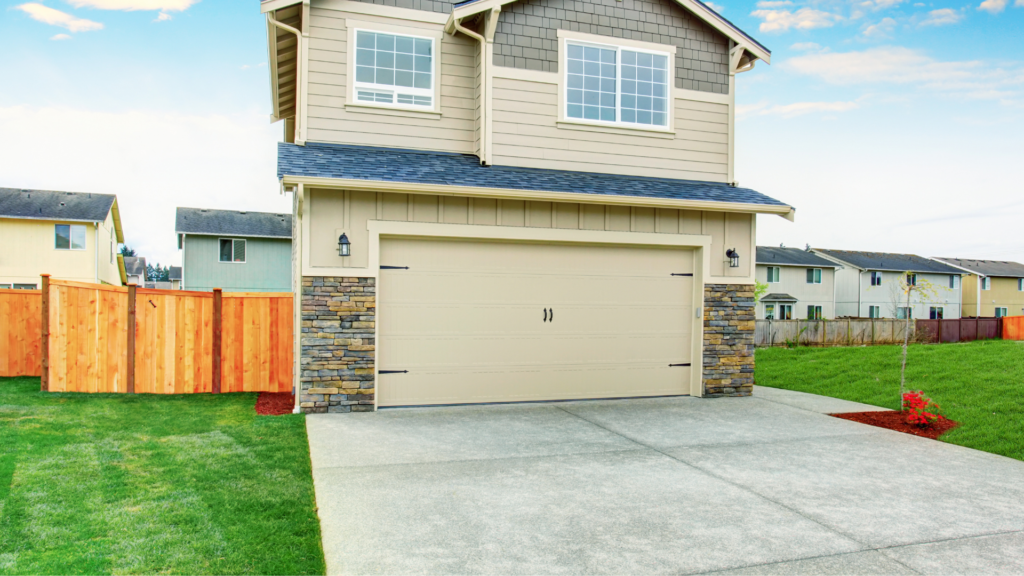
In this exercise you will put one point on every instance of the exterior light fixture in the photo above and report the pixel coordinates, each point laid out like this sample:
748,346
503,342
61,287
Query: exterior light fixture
344,246
734,257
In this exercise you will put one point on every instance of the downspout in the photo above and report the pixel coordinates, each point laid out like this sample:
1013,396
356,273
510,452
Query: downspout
300,77
484,144
860,290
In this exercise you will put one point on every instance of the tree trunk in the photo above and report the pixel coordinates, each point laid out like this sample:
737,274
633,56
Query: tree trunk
906,339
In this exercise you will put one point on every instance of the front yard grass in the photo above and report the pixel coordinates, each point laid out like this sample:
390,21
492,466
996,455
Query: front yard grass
979,384
118,484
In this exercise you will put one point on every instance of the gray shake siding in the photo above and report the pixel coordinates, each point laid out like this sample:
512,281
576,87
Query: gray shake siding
427,5
527,38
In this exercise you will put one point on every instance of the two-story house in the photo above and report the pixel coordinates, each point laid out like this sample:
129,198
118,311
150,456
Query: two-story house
68,235
236,251
135,270
869,285
801,284
514,200
991,288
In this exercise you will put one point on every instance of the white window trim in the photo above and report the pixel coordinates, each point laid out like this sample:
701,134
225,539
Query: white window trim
783,308
816,278
1005,310
233,261
874,312
566,36
778,277
881,278
431,33
71,248
986,283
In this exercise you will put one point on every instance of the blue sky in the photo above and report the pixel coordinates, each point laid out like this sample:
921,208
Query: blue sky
891,125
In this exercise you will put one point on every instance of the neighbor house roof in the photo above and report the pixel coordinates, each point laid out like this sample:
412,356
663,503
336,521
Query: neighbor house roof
174,273
884,261
995,268
52,205
135,266
779,256
778,297
389,165
207,222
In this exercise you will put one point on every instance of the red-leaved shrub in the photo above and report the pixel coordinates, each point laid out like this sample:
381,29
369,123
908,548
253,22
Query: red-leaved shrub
920,409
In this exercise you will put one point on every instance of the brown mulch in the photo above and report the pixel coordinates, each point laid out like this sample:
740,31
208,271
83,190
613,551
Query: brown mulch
275,403
897,421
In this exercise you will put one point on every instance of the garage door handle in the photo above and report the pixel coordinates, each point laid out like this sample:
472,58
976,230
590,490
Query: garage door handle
545,314
551,317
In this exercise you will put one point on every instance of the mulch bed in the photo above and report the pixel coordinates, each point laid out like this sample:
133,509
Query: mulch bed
897,421
275,403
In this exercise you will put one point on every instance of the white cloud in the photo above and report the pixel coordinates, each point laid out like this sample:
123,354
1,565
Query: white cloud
879,4
153,160
716,7
773,3
802,19
880,30
942,17
993,6
132,5
60,37
795,109
162,17
48,15
805,46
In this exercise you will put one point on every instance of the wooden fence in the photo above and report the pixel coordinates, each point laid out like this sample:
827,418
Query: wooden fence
20,336
128,339
960,330
1013,328
844,332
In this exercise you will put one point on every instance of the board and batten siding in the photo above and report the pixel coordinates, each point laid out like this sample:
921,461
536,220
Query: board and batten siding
332,212
267,266
527,133
793,281
455,130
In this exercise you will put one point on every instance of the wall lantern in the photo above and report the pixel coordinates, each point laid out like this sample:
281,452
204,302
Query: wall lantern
734,257
344,246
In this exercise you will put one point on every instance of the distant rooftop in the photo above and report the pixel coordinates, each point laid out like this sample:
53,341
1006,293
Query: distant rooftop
135,266
207,222
888,262
779,256
997,268
175,273
53,205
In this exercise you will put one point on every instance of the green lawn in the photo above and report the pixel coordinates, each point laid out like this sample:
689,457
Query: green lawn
979,384
117,484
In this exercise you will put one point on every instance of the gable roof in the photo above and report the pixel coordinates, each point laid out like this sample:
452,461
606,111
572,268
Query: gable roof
205,222
888,262
54,205
174,273
135,266
997,268
778,297
779,256
422,170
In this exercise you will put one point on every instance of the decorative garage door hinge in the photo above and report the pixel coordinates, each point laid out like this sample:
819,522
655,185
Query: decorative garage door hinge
674,274
392,371
394,267
674,365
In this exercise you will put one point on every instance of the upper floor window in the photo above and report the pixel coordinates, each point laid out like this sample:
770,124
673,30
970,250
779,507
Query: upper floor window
814,275
394,69
986,283
617,85
69,237
232,250
773,274
876,278
1020,284
911,279
954,282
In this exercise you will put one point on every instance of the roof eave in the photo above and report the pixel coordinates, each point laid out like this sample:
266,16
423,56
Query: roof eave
49,219
271,5
832,265
233,235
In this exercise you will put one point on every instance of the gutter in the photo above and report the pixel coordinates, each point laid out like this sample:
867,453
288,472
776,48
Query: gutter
300,76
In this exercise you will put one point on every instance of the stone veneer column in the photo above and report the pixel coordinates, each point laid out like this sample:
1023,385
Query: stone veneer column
338,347
728,339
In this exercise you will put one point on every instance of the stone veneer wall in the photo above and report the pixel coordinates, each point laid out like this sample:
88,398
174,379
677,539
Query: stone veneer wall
338,347
728,339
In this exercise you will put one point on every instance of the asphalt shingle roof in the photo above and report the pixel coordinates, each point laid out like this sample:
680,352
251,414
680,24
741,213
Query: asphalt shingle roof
175,273
443,168
135,266
884,261
53,205
778,297
997,268
233,223
773,255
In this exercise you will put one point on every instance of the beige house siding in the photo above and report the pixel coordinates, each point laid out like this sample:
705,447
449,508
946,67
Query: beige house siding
793,281
527,133
1004,293
28,251
332,212
454,130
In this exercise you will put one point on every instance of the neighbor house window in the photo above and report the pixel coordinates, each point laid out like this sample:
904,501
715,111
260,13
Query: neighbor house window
394,69
814,275
935,313
1000,312
874,312
232,250
69,237
986,283
5,286
911,279
773,274
876,278
954,282
769,311
785,311
24,286
1020,284
814,312
616,85
903,313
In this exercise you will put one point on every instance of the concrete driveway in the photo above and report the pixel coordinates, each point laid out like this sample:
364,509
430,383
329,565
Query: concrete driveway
762,485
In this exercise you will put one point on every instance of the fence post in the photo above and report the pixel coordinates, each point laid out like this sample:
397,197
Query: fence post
44,379
131,338
218,314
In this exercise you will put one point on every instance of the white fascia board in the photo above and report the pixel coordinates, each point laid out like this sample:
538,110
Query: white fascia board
798,265
965,270
51,219
272,5
225,234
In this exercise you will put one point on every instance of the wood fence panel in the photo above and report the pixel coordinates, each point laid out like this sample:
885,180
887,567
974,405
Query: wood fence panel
257,337
1013,328
21,332
173,343
87,343
843,332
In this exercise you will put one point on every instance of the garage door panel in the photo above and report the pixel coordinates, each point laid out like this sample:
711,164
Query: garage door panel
466,320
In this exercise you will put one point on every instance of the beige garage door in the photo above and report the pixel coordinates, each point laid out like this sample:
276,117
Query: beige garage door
489,321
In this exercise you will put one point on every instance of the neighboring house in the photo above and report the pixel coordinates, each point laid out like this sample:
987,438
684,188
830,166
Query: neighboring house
1000,284
68,235
235,251
175,277
868,285
135,269
537,196
801,284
